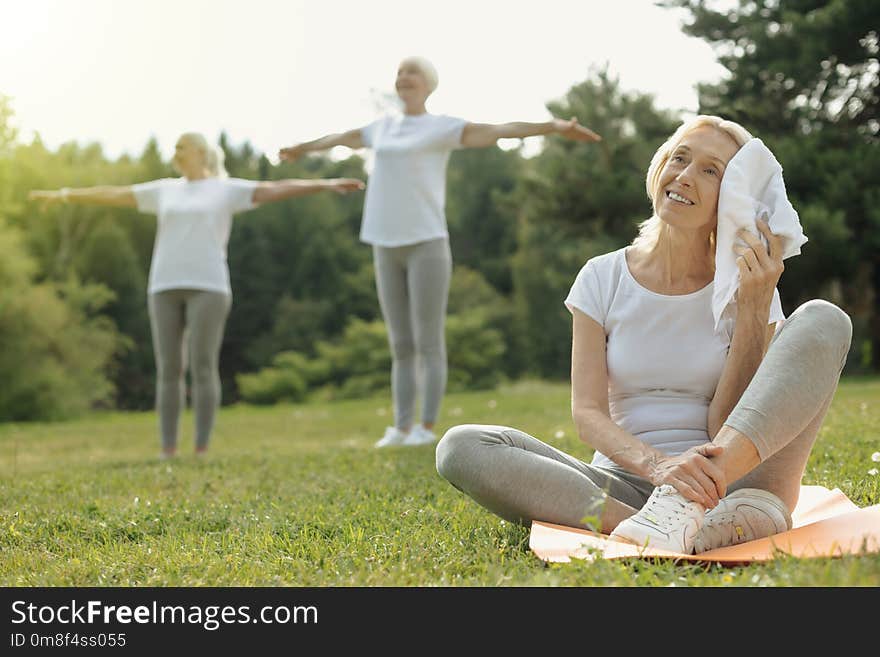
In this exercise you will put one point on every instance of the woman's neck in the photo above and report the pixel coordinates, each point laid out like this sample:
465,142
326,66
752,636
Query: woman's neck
415,109
681,260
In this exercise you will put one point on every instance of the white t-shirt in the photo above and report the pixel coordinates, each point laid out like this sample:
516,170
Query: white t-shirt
194,222
406,194
663,354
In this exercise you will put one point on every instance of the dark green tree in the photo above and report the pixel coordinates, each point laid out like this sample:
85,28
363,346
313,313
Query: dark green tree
480,214
803,75
576,201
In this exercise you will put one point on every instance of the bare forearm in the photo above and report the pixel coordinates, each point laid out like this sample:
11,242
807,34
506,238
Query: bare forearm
352,139
520,129
103,195
600,432
480,135
746,353
322,143
268,192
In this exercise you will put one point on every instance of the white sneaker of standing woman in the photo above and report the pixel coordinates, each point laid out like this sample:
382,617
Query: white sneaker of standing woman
420,436
393,436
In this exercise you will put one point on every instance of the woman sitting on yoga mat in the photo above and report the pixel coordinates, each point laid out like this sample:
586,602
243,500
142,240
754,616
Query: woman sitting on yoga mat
701,435
189,276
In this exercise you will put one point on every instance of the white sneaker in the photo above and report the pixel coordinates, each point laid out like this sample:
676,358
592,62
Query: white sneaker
393,436
420,436
744,515
668,521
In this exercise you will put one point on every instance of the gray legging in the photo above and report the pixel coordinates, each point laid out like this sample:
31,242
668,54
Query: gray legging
413,286
202,314
522,479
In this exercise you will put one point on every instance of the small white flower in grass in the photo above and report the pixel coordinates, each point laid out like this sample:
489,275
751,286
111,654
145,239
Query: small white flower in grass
492,403
559,434
456,411
873,472
137,500
863,406
875,457
381,411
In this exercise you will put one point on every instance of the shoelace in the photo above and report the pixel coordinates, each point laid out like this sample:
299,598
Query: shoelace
669,505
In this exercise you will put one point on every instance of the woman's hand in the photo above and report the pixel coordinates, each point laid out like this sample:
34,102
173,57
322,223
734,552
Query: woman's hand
693,474
291,153
759,268
346,185
571,129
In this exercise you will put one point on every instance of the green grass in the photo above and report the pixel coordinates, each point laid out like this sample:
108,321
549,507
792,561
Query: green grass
297,496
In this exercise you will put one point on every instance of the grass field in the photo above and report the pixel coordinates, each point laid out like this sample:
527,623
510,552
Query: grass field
297,496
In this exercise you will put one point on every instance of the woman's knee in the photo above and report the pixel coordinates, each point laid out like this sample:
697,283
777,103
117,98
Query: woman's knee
169,372
403,349
431,351
204,370
455,450
831,322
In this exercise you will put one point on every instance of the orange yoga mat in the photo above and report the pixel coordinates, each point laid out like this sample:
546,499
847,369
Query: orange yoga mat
826,523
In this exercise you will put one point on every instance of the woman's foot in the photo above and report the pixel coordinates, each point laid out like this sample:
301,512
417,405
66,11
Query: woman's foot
393,436
167,453
201,452
420,435
668,521
745,515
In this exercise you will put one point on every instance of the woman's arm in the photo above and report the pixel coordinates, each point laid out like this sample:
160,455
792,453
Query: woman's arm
277,190
691,473
759,271
751,338
105,195
353,139
479,135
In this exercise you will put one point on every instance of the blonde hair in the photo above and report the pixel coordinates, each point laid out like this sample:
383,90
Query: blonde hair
651,229
215,158
426,68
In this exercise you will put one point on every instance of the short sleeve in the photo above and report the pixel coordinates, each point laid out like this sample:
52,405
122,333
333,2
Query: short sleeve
240,194
147,195
585,294
447,133
368,133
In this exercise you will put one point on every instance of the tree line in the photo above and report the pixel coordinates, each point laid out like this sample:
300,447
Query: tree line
305,319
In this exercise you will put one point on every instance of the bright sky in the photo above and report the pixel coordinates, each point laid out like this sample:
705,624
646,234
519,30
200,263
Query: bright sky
276,72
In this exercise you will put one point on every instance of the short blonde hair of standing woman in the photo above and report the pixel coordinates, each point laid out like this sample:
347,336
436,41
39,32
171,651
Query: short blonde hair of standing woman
650,229
426,68
215,158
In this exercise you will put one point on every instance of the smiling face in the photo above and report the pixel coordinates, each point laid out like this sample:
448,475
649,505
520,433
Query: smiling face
411,84
689,183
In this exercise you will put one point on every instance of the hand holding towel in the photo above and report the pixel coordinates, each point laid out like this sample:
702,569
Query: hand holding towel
752,187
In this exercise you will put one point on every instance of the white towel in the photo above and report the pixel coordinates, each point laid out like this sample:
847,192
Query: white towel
752,186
